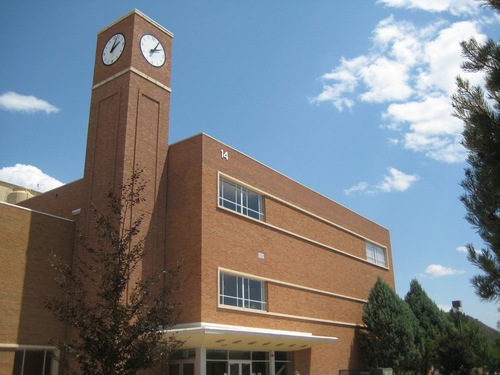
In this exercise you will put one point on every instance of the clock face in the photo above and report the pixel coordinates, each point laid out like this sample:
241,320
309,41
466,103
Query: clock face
152,50
113,49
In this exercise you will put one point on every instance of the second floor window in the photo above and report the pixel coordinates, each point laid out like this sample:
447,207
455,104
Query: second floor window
241,291
240,199
376,254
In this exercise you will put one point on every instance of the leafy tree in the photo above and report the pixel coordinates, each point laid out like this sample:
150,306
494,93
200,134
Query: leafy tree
432,322
389,337
479,110
116,318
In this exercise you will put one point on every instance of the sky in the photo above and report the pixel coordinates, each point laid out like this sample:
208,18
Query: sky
349,98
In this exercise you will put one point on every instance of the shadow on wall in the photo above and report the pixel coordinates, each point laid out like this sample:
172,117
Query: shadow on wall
28,238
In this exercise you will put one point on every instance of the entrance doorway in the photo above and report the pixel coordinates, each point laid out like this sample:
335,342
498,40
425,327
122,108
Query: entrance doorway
240,368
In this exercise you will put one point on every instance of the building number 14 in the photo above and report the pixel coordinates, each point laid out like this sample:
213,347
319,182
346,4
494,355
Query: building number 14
224,154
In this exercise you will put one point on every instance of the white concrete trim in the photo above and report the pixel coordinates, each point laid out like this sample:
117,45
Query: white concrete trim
136,71
230,337
37,212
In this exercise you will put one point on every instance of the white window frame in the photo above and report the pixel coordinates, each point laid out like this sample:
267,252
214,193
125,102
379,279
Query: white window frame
240,202
376,254
243,298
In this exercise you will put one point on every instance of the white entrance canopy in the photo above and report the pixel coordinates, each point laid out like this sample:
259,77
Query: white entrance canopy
228,337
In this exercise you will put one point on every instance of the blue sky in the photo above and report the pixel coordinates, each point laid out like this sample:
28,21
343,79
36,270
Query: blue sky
350,98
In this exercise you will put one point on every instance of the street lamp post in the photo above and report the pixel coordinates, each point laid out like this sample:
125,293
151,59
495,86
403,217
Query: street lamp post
457,308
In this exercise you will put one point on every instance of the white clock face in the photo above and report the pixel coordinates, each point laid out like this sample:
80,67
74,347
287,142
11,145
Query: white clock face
152,50
113,49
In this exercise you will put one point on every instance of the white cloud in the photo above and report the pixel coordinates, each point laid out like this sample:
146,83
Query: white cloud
455,7
29,177
395,181
339,82
427,126
386,80
412,71
11,101
437,270
462,249
361,187
442,57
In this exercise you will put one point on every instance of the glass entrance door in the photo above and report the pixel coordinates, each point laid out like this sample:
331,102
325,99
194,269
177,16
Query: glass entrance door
240,368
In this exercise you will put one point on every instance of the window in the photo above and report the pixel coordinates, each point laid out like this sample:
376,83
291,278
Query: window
238,362
240,199
32,362
240,291
376,254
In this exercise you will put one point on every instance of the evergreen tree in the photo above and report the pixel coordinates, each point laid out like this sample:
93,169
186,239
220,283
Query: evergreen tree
462,347
117,322
479,111
432,322
389,337
456,356
492,3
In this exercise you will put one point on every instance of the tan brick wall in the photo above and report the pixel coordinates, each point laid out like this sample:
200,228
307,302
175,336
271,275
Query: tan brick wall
28,239
314,251
184,222
60,201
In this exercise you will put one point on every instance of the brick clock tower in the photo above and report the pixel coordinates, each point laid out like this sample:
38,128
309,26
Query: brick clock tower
129,120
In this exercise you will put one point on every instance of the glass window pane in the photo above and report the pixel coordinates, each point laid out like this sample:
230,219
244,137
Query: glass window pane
282,368
188,369
260,356
255,290
230,301
240,199
234,369
376,254
242,292
174,369
216,354
282,356
229,285
216,368
253,201
245,369
260,368
238,354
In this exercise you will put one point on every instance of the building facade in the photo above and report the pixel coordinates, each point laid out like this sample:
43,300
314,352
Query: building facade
274,275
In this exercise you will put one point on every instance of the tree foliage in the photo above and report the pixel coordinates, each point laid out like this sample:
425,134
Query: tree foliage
492,3
431,321
116,318
462,347
389,337
479,110
414,336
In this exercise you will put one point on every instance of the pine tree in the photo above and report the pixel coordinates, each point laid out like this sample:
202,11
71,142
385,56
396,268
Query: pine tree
462,346
479,111
117,322
432,322
389,337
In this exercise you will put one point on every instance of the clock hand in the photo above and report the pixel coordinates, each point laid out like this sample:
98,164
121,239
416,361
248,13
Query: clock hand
115,44
155,49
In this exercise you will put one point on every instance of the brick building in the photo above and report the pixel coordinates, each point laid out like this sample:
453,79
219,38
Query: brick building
274,274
